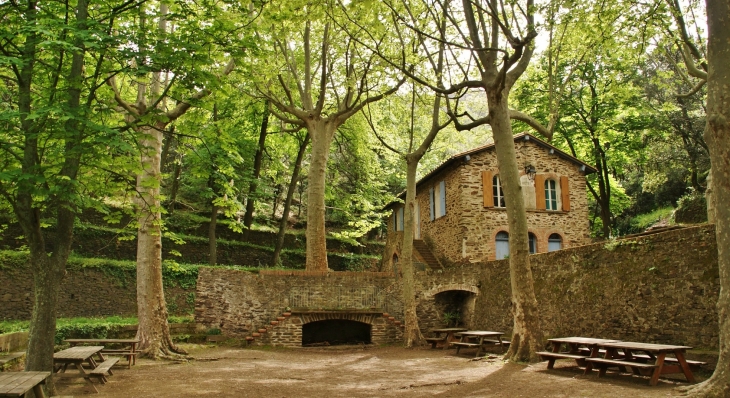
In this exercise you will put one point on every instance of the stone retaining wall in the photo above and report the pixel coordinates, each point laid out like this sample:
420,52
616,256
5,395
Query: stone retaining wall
240,303
87,292
659,288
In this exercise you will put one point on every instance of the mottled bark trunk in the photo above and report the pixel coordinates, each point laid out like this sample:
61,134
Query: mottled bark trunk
287,203
48,271
153,331
258,159
717,136
412,334
526,334
321,134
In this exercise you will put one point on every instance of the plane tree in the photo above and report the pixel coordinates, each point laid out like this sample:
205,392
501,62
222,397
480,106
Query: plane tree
316,76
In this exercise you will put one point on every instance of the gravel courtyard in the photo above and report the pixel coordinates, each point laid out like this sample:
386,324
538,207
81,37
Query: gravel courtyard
358,372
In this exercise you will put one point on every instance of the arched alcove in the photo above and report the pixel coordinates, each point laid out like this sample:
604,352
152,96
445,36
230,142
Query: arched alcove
455,308
336,332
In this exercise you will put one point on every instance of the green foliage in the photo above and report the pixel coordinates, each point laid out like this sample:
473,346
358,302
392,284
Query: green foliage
356,262
452,318
643,221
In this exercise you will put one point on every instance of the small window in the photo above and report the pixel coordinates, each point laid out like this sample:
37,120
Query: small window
551,195
502,245
555,242
497,192
533,242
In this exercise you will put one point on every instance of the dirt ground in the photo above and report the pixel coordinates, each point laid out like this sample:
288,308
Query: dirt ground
359,372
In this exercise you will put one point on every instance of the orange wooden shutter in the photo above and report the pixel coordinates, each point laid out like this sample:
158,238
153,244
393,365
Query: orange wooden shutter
565,193
540,192
487,188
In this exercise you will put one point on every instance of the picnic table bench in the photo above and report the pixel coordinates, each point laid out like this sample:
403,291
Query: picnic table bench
443,337
130,352
80,355
17,384
639,364
483,337
578,349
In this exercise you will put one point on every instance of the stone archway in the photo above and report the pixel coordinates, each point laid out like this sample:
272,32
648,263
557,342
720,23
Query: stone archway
336,327
451,305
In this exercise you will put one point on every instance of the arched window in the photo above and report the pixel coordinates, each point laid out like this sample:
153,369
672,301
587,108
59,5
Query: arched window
555,242
502,245
497,192
551,195
533,242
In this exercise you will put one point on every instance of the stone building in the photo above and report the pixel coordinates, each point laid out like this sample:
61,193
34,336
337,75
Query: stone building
460,212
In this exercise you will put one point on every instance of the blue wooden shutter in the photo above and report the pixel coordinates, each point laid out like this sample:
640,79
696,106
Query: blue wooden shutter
401,222
431,198
442,194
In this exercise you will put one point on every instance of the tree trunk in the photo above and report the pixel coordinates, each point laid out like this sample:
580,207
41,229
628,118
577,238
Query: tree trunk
412,335
717,136
212,255
526,334
287,203
251,198
48,271
321,134
154,331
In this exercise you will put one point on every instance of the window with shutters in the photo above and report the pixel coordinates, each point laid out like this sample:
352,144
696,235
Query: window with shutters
555,242
497,192
438,200
502,245
551,195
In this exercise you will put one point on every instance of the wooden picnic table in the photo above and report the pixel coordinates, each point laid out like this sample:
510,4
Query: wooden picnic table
574,350
654,362
444,336
17,384
129,352
80,355
485,337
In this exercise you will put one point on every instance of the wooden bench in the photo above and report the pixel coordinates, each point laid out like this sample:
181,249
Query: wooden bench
692,364
105,367
128,353
604,363
552,356
459,345
436,340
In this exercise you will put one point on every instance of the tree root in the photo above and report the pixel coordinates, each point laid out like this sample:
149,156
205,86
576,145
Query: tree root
710,388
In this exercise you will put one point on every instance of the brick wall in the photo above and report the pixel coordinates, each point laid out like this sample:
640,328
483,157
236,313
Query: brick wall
240,303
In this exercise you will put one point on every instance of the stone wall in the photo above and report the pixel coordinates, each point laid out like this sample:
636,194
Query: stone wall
659,288
240,303
85,292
